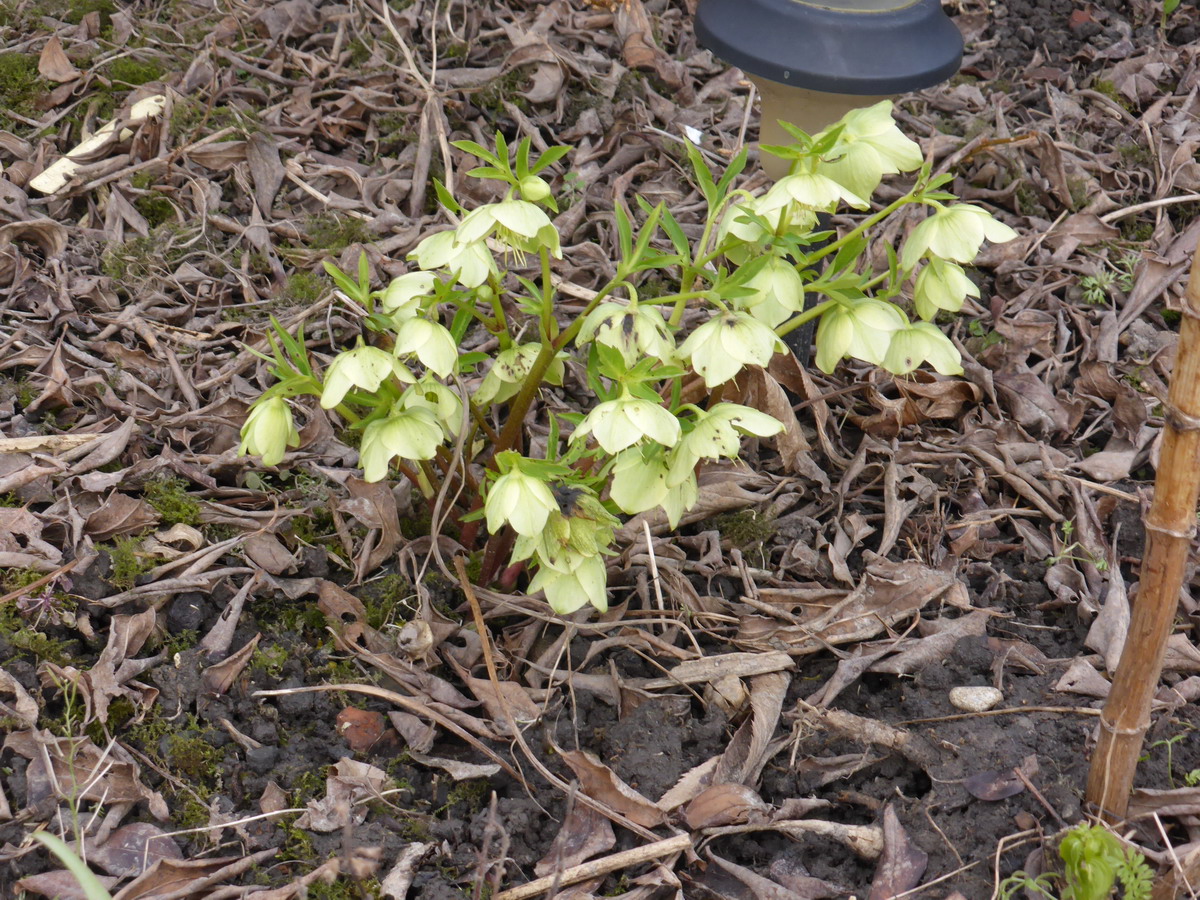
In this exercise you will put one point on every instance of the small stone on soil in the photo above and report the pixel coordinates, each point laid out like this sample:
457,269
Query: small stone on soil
975,699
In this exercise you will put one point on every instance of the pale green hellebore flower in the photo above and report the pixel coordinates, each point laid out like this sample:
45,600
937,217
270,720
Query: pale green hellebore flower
432,343
472,261
869,147
723,345
941,285
717,434
364,367
400,298
639,479
810,190
617,424
586,531
635,331
444,403
680,498
642,480
508,371
860,328
523,501
566,592
954,233
784,219
518,224
269,430
779,292
922,342
412,433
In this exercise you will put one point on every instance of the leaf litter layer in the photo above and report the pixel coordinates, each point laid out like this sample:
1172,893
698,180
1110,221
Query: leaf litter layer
773,679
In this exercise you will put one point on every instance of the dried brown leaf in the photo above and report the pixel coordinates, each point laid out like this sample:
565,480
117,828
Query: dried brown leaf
722,804
120,514
219,678
902,863
59,884
133,848
601,783
584,834
53,64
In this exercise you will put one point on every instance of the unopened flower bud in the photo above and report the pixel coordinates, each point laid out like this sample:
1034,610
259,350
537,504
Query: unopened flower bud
534,189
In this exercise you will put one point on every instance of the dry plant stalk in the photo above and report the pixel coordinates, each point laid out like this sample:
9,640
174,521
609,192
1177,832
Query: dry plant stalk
1170,526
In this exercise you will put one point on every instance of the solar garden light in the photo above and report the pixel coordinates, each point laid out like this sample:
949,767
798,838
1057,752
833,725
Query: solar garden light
814,60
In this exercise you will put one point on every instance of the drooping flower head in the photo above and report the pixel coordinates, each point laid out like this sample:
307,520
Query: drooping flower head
869,146
859,328
778,292
922,342
269,430
408,433
941,285
634,330
403,295
363,367
617,424
470,260
954,233
726,343
518,498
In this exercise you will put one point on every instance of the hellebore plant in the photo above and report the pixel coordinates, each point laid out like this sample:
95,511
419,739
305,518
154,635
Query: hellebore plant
440,414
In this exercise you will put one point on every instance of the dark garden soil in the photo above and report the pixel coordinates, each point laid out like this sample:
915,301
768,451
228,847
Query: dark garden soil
773,680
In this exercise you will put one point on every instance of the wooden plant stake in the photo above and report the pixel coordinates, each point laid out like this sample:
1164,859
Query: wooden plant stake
1170,527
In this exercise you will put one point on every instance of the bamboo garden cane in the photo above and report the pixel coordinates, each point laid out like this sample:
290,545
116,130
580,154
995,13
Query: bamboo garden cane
1170,527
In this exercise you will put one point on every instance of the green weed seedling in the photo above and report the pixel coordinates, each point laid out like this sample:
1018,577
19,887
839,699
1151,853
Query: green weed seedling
1169,7
1068,528
1094,862
416,402
1099,288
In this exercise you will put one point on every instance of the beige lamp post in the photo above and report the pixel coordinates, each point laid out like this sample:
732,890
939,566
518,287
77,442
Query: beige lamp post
814,61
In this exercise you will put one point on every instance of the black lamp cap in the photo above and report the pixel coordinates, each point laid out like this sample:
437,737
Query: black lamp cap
838,51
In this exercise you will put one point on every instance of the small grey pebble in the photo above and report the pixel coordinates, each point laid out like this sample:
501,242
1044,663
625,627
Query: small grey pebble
262,759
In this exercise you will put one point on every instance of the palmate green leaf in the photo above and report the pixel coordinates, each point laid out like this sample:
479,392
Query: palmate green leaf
678,239
848,255
488,172
522,169
293,357
358,291
828,140
647,232
461,322
671,227
803,138
732,171
476,149
783,151
704,179
468,361
446,199
624,232
549,158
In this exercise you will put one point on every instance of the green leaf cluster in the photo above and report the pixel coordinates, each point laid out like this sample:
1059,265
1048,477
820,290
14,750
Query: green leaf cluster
443,382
